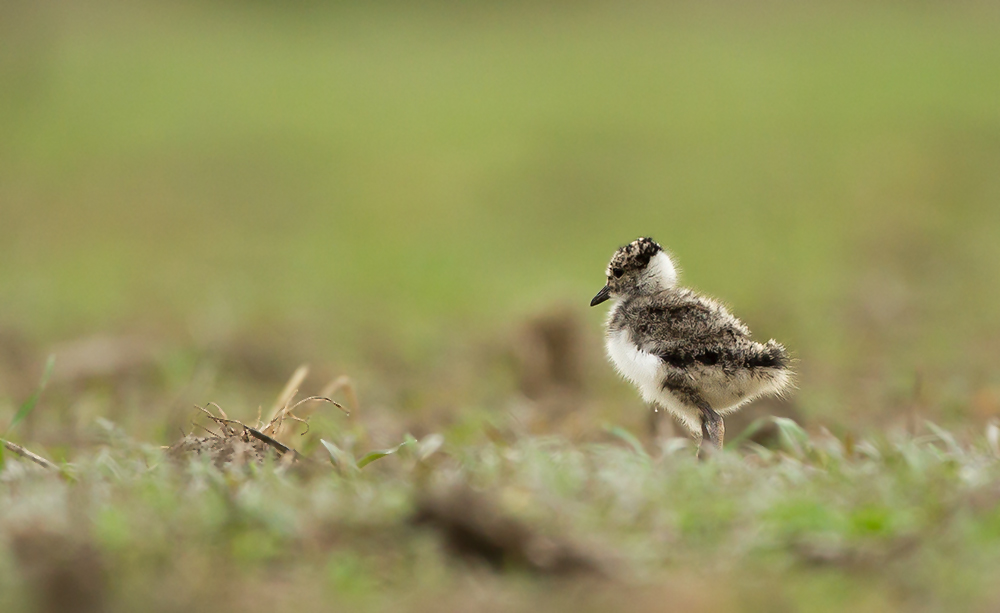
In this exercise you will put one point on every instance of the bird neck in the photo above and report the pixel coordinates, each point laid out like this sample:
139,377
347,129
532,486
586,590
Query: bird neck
660,274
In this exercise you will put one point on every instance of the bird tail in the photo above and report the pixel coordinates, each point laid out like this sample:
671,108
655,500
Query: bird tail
771,355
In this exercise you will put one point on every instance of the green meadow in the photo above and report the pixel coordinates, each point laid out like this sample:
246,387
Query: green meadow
418,202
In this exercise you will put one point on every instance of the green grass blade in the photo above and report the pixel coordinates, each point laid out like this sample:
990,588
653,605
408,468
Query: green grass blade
341,459
793,437
946,437
32,400
371,456
629,438
754,427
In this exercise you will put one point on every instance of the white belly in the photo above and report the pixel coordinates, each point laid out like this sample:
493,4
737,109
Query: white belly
639,367
644,370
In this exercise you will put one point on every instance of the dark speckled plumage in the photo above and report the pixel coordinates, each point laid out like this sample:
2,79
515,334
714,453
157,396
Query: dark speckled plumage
683,351
683,328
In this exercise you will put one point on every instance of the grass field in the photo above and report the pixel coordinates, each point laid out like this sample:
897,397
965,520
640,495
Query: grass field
196,198
907,524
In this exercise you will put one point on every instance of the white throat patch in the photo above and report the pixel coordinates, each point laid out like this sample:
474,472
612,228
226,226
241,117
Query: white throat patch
661,271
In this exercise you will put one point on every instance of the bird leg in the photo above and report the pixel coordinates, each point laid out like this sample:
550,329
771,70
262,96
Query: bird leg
713,429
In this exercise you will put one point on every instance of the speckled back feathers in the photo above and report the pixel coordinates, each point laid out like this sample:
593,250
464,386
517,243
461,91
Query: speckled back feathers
683,328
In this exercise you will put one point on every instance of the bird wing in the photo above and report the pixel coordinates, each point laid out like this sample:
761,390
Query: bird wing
683,329
708,356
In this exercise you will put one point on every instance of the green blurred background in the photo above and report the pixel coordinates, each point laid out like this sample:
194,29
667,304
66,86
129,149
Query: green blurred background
396,192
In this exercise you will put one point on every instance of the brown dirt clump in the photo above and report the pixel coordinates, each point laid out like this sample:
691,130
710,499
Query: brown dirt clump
233,449
473,527
63,571
236,443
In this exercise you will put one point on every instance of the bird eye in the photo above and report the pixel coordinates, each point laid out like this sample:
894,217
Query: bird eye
618,272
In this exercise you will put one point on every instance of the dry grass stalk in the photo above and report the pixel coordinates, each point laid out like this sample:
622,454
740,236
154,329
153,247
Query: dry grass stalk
342,383
290,390
24,453
284,409
287,412
226,425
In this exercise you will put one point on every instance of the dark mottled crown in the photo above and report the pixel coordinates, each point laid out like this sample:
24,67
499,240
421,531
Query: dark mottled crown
635,255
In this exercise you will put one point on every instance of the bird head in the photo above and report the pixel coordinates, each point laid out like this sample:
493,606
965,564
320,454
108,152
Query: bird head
640,267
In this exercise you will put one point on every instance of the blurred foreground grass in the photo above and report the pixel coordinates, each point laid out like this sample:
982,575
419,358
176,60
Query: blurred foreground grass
900,523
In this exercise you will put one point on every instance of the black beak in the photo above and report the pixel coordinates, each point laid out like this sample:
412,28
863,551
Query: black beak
601,296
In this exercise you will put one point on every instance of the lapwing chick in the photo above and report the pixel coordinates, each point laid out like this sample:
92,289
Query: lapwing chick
686,353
